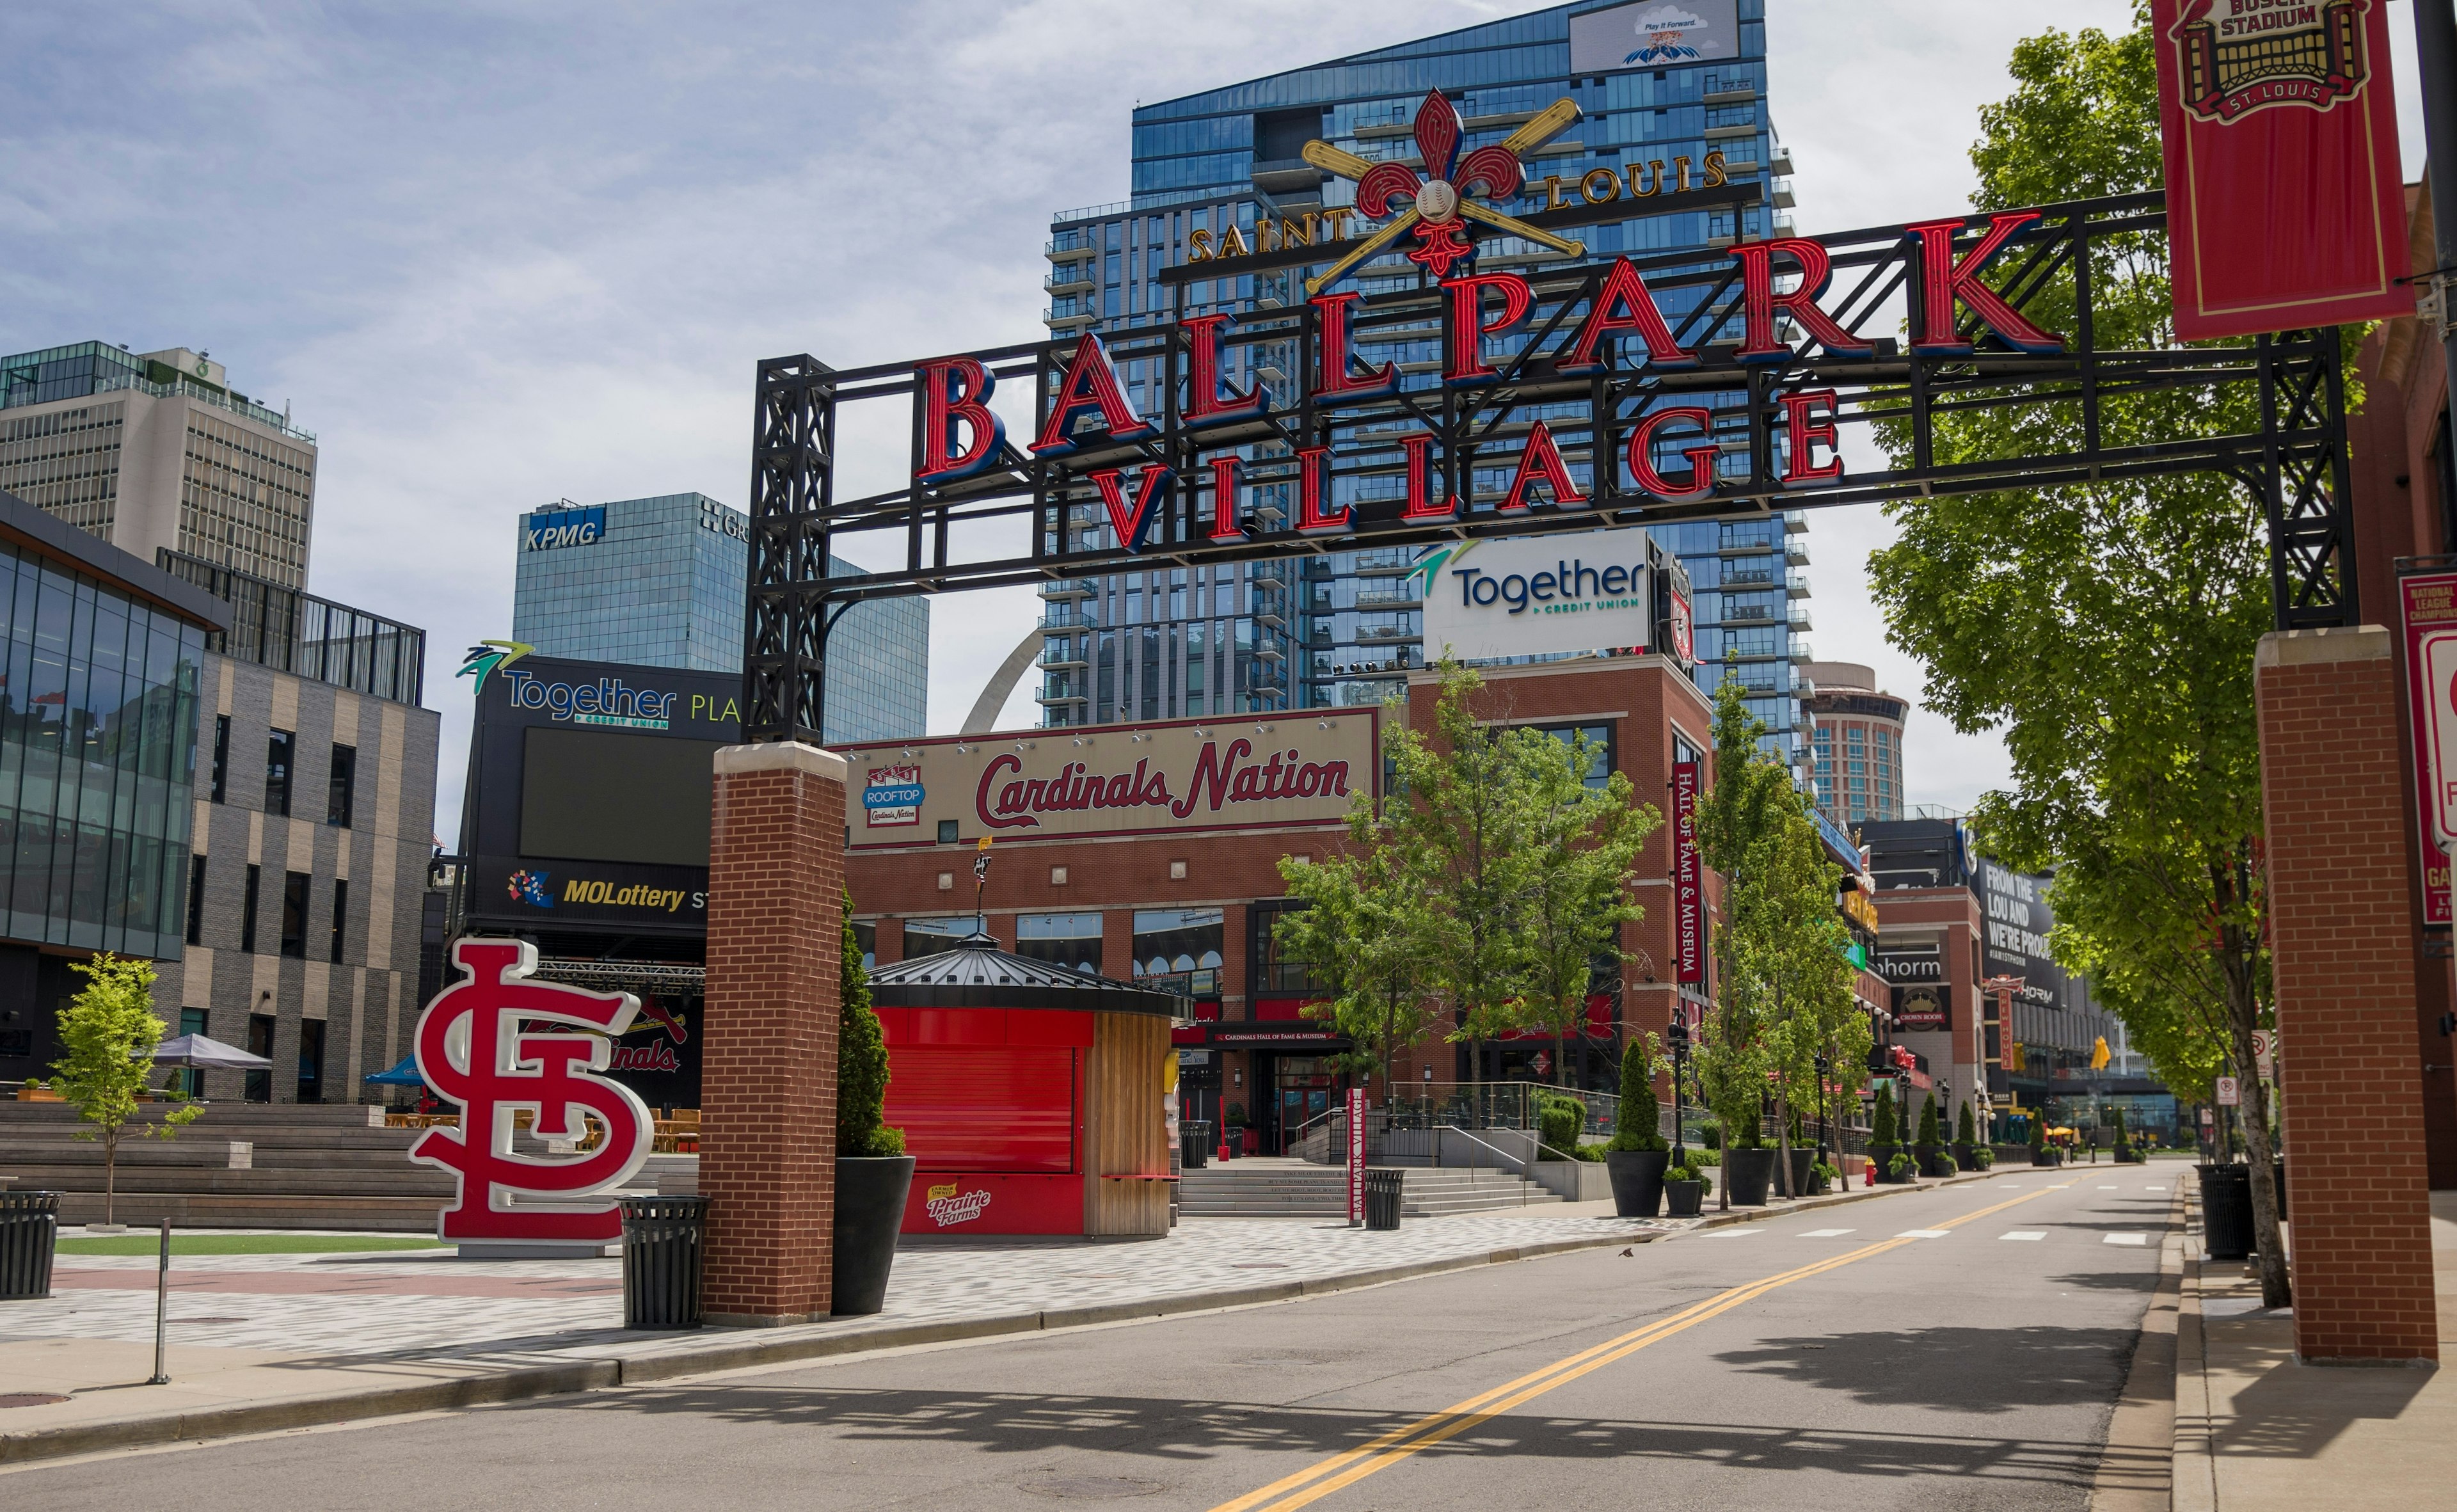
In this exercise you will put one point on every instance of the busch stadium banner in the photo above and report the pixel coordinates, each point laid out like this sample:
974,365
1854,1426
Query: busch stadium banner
2284,201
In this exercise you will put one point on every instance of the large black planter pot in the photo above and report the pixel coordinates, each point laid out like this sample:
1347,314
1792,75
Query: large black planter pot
1746,1175
1637,1180
1965,1157
1681,1198
2047,1157
1801,1160
870,1211
1882,1158
1924,1158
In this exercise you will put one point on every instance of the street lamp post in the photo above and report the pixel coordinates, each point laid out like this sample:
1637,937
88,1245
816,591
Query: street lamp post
1678,1033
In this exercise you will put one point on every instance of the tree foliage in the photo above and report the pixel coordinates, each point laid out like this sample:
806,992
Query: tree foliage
861,1059
108,1032
2108,630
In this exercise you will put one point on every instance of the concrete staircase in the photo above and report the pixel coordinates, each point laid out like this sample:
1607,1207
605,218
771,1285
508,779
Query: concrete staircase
238,1165
1262,1187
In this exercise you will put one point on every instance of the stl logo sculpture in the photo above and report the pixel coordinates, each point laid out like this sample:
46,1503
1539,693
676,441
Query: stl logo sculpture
485,1044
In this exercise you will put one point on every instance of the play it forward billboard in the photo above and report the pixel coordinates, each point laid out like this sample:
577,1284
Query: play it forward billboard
1534,596
1277,772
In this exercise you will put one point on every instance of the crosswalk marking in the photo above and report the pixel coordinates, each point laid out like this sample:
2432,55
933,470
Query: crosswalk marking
2024,1234
2110,1187
1730,1233
2156,1188
1923,1233
1828,1233
2127,1239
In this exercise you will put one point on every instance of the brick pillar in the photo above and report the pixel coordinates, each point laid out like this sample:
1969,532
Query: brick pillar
2341,937
768,1057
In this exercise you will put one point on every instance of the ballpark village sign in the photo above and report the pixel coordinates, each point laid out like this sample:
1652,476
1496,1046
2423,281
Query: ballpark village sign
1635,390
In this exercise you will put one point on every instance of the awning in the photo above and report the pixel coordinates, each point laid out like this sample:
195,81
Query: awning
207,1055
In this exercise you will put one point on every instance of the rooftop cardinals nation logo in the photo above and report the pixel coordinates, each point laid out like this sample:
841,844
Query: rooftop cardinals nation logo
488,1044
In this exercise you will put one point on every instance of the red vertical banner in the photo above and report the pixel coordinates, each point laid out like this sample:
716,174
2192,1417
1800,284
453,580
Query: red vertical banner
1356,1155
2285,205
2428,602
1689,878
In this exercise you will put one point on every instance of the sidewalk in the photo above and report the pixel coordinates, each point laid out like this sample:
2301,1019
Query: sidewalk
2255,1432
262,1342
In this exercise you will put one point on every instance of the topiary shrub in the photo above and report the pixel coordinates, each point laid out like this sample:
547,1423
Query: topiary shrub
1557,1123
1641,1114
1965,1131
1711,1135
1928,1133
862,1062
2038,1131
1881,1118
1983,1156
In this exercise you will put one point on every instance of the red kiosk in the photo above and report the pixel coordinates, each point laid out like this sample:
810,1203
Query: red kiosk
1031,1095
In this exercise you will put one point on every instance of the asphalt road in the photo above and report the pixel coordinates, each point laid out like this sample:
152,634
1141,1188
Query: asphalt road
1778,1366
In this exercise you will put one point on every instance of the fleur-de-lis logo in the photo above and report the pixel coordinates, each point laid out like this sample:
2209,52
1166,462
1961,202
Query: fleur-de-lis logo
1443,198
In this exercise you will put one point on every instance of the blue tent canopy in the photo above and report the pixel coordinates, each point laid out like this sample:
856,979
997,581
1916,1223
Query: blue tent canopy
403,1074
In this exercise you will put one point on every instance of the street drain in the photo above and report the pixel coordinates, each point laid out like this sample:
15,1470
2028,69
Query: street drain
29,1398
1094,1488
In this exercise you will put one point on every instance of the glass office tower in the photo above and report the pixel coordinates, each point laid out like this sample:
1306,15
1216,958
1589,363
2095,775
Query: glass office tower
659,583
1345,628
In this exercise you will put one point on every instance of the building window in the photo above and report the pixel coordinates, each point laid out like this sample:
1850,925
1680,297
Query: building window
1180,948
259,1042
222,755
1065,939
294,913
1600,748
196,900
866,934
247,912
278,750
341,792
927,937
340,916
311,1060
1276,971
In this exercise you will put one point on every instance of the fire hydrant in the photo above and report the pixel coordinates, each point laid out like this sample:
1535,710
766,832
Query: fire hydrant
1868,1173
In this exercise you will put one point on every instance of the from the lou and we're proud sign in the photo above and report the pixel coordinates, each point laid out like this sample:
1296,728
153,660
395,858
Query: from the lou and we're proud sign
1268,771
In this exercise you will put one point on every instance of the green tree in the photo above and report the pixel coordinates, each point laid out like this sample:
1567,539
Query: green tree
1459,820
1964,1131
109,1031
1642,1111
2108,630
1881,1125
1362,935
1928,1132
861,1059
1583,845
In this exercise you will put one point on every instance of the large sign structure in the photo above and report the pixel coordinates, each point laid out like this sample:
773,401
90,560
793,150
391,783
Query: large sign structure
499,1045
1707,383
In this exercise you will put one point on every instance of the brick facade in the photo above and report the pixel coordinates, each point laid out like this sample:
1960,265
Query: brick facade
775,918
2343,930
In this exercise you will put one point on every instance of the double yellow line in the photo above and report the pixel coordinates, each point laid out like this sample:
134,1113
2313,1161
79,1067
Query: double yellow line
1312,1484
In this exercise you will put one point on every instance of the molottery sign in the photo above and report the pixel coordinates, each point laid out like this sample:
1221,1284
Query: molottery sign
498,1044
1188,775
2283,195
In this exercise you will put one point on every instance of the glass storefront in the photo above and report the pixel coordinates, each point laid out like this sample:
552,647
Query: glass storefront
1178,949
927,937
97,755
1065,939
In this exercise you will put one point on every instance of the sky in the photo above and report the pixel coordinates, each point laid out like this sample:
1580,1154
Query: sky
498,254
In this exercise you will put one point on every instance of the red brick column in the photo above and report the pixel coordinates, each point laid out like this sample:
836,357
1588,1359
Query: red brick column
2342,936
768,1058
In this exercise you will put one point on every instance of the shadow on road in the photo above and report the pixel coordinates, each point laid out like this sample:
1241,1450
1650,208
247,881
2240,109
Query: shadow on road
1027,1424
1986,1370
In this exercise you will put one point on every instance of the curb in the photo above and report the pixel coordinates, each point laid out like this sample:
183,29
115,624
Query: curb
701,1357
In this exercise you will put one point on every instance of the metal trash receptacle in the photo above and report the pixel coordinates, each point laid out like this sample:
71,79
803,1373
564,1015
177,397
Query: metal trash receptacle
30,1229
2226,1210
1194,1141
1382,1189
664,1250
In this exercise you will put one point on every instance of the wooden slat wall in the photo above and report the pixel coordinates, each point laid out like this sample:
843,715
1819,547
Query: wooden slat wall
1123,1130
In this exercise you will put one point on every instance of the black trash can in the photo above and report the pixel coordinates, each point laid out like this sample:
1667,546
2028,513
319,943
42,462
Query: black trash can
664,1250
30,1226
1382,1189
2226,1210
1195,1141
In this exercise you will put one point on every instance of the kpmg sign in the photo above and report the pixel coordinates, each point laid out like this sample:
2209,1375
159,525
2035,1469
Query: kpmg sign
550,528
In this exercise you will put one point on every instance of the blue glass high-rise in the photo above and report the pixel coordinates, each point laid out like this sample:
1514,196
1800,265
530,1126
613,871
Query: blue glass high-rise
1345,628
660,582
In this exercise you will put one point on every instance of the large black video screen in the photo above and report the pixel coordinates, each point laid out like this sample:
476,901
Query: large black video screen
603,796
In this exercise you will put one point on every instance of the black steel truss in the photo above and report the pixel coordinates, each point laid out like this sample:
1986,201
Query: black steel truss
2293,457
